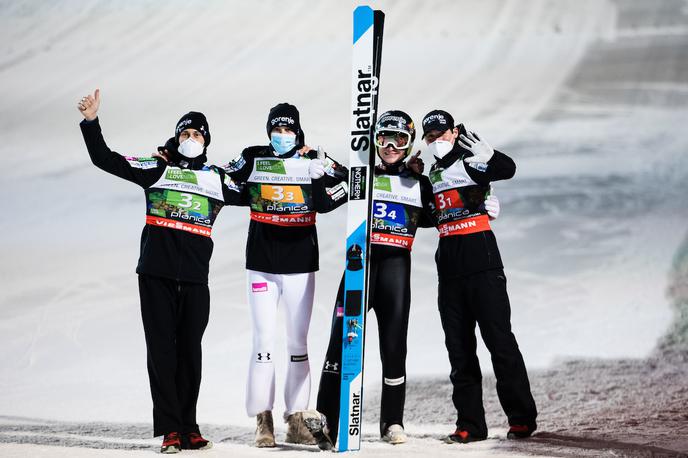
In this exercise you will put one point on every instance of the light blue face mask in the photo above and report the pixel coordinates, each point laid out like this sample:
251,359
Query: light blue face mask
283,143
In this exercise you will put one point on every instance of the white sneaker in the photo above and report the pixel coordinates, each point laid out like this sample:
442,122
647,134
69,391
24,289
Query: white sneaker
395,435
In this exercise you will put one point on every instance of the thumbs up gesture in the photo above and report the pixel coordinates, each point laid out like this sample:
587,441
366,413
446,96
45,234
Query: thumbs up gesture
316,168
88,105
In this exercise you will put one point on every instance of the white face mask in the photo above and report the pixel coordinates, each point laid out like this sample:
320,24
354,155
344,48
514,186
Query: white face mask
440,148
190,148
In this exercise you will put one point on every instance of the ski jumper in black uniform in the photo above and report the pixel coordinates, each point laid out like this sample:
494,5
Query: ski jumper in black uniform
402,202
282,237
183,198
472,289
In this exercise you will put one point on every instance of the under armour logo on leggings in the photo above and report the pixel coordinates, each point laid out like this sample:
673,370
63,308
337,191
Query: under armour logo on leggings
264,355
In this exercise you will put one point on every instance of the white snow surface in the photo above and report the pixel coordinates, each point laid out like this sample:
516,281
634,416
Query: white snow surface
412,448
588,229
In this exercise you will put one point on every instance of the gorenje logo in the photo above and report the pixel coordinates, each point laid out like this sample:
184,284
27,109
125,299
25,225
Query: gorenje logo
187,176
436,117
263,165
282,119
390,120
181,125
355,422
358,183
367,87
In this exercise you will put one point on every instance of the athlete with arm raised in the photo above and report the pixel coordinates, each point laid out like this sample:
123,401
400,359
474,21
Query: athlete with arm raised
183,197
472,283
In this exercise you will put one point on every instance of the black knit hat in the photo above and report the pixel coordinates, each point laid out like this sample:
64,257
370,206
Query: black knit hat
193,120
284,115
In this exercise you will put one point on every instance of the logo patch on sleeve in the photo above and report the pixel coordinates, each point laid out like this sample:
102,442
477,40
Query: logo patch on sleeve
142,162
259,287
479,166
236,164
231,184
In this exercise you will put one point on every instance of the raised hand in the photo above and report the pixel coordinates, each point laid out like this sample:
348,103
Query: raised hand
316,168
88,105
416,164
162,154
482,151
304,150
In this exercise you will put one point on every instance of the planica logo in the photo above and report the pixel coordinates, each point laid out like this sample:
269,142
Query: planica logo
274,166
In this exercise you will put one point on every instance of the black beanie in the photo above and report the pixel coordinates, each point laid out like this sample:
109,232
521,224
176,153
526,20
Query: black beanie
193,120
284,115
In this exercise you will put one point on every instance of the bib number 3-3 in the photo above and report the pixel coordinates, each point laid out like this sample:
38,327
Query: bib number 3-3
282,193
279,194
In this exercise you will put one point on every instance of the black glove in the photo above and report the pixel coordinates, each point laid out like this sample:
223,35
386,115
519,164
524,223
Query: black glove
171,146
341,172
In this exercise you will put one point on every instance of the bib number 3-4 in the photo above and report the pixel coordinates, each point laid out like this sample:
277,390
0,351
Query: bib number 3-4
389,212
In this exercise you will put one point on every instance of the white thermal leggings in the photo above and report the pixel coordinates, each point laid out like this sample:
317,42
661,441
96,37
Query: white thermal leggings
265,292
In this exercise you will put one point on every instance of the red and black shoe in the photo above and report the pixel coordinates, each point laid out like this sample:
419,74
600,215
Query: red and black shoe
172,443
194,441
462,436
520,431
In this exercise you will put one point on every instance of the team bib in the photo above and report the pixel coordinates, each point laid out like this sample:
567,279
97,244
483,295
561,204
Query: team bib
460,201
186,200
397,206
280,192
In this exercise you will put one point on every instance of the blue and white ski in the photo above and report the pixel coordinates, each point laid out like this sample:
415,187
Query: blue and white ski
367,55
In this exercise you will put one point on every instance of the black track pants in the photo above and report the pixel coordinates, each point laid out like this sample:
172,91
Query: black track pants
390,294
482,298
175,315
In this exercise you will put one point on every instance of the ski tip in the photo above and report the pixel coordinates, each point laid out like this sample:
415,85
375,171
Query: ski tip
363,20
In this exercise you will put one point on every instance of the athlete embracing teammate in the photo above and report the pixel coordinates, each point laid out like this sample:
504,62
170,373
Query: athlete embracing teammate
287,184
402,202
472,284
183,197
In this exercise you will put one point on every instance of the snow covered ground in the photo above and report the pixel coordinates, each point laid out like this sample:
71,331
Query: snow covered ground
590,98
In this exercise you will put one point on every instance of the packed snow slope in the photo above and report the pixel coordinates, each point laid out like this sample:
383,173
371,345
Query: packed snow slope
590,98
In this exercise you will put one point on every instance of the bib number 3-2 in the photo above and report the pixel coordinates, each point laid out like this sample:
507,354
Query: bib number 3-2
188,201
